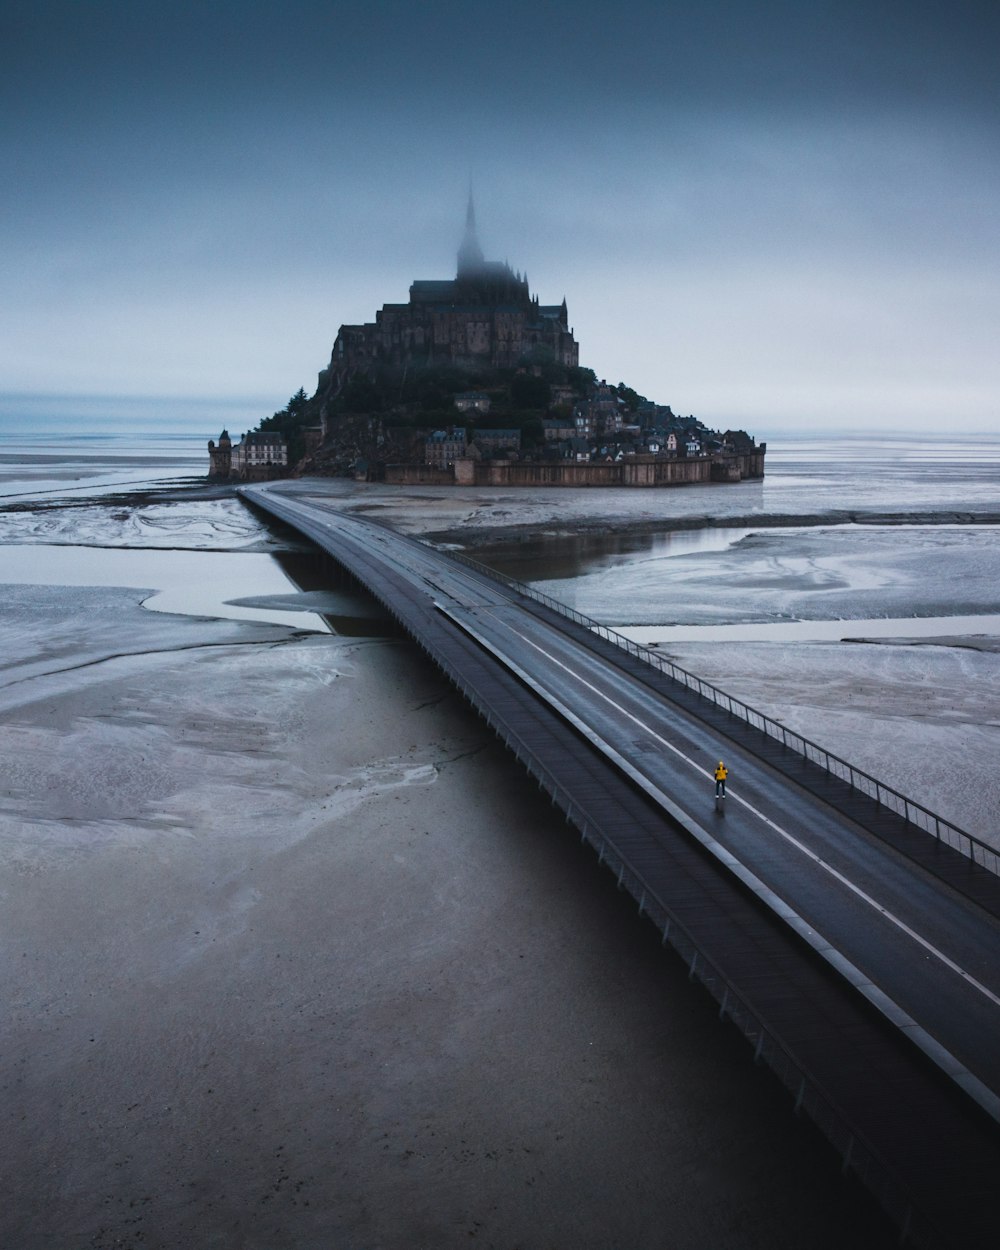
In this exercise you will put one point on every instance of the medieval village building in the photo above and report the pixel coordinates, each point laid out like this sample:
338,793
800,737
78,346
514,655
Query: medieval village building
257,457
473,381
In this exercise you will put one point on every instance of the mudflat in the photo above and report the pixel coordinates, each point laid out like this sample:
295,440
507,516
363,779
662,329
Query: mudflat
293,955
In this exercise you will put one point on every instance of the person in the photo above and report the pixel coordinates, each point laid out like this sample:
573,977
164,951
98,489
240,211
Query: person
721,773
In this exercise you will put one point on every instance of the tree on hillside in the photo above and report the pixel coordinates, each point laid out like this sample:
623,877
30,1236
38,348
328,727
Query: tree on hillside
290,421
632,398
360,395
532,434
582,380
436,399
527,391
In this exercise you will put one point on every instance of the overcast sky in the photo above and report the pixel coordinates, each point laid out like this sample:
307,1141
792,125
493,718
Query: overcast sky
777,215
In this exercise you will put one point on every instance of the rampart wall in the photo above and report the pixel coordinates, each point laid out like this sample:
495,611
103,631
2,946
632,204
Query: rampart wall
631,472
419,475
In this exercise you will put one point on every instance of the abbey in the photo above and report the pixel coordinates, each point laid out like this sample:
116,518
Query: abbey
473,381
484,317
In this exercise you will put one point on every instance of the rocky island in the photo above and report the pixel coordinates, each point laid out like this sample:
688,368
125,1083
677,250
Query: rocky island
474,382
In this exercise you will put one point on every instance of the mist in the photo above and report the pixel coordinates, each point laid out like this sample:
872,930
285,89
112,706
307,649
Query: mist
783,220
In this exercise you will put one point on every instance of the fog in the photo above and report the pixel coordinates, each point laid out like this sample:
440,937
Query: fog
783,223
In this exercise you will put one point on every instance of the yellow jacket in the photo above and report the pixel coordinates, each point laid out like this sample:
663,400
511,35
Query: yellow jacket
722,772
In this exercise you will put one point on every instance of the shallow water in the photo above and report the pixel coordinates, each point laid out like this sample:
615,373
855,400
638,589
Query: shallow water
80,465
193,583
883,475
772,576
190,524
557,558
191,554
908,627
703,574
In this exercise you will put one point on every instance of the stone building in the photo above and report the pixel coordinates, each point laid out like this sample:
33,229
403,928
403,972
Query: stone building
484,317
472,401
259,456
496,442
220,456
256,457
444,447
556,429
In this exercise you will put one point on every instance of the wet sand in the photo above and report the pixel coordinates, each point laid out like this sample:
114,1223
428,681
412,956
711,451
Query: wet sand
475,517
294,956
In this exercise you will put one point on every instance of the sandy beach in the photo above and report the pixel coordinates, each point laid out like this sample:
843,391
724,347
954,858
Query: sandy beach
295,957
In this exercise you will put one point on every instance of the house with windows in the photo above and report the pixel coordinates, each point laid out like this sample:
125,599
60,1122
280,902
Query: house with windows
497,442
444,447
257,457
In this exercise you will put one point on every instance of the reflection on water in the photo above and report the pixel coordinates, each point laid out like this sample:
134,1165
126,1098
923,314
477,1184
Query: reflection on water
804,583
987,627
355,614
250,586
710,575
557,557
192,583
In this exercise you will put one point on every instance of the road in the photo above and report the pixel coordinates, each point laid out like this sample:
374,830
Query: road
925,956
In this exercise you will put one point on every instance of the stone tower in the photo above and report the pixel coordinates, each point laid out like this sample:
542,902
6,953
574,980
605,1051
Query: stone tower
220,458
483,318
470,254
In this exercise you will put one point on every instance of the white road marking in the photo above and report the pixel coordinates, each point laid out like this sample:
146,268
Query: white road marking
789,838
782,833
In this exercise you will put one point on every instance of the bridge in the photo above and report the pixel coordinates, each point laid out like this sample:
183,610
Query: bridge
849,934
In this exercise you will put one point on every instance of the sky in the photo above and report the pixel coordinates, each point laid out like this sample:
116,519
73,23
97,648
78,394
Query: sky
780,216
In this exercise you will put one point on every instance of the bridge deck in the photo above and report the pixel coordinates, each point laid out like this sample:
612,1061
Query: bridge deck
953,868
926,1150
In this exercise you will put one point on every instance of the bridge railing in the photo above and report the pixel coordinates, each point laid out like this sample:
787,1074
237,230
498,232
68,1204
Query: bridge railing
980,853
856,1154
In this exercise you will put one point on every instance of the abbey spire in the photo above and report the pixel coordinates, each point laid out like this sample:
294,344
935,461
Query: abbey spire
484,318
470,254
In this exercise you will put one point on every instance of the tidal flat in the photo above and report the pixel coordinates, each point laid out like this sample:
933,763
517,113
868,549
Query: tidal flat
878,641
295,956
294,953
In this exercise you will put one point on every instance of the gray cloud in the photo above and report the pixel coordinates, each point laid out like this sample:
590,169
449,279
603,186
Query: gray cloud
785,210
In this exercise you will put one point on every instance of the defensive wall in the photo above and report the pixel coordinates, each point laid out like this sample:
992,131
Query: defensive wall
635,471
420,475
